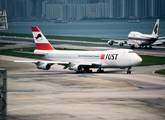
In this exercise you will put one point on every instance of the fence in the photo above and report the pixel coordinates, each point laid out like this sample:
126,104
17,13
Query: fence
3,95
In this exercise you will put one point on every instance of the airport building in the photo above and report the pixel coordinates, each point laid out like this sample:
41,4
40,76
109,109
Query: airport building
77,9
110,9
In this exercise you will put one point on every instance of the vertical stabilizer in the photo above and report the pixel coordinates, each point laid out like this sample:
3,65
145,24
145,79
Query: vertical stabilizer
41,42
156,27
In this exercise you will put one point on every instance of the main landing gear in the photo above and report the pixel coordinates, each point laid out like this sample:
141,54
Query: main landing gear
86,70
100,70
129,71
142,46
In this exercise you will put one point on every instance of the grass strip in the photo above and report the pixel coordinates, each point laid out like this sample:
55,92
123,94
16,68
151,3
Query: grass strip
56,37
160,71
151,60
3,44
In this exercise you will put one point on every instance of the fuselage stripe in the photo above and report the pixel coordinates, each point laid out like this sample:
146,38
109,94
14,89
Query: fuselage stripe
143,39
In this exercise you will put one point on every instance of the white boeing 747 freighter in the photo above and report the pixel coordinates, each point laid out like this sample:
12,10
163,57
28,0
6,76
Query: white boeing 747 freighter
81,61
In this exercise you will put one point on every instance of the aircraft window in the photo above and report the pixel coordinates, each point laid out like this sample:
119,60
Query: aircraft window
131,52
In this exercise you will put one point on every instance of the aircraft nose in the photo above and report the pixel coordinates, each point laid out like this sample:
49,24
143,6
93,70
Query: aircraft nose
137,60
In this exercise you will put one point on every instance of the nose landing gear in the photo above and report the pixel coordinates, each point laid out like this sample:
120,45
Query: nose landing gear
129,71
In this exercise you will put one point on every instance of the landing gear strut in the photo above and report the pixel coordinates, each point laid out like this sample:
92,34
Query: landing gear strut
129,71
150,47
87,70
132,46
100,70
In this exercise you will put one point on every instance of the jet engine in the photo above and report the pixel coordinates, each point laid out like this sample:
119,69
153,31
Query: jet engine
44,66
76,68
110,42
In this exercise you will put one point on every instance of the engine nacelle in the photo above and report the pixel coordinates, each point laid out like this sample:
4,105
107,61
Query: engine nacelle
110,42
76,68
44,66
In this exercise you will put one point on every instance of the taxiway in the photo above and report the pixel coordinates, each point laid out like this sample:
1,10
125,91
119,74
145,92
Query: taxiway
63,94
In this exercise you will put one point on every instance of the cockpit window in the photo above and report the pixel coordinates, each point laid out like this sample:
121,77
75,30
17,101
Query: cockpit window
131,52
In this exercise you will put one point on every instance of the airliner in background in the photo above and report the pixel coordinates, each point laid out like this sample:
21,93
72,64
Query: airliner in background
81,61
140,39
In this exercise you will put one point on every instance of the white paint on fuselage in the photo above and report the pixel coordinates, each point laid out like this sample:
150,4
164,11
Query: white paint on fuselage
142,39
120,58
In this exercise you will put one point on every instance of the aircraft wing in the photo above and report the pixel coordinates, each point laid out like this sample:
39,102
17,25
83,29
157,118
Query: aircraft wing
47,62
111,41
157,43
115,40
90,64
132,42
162,37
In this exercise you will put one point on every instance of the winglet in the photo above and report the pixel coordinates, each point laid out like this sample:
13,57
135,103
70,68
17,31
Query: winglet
41,42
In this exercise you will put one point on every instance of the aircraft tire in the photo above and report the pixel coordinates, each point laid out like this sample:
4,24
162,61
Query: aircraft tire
128,72
150,47
88,71
100,71
132,47
80,71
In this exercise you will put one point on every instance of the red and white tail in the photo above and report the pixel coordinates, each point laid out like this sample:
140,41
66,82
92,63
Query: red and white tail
41,42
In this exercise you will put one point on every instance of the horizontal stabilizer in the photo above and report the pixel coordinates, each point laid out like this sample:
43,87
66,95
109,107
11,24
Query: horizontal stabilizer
38,54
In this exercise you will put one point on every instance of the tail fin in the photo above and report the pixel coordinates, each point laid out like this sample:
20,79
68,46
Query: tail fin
41,42
156,27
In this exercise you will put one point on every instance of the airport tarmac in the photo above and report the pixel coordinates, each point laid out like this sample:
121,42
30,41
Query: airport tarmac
64,95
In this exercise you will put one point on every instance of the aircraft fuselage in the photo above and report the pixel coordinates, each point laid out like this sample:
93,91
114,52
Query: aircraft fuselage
142,39
101,59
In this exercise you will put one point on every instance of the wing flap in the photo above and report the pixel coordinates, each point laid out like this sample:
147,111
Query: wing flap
117,41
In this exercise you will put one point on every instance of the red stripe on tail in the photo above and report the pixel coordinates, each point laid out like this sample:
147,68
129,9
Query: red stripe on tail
44,46
35,29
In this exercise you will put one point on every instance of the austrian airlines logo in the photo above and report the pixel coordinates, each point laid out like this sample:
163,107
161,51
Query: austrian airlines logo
39,36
